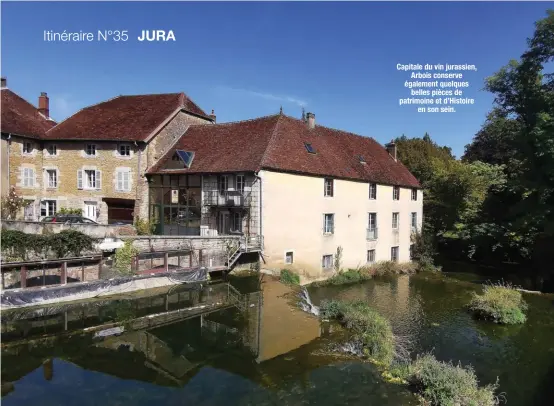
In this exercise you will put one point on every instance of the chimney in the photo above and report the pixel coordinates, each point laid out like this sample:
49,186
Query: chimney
44,105
212,116
310,119
391,149
4,82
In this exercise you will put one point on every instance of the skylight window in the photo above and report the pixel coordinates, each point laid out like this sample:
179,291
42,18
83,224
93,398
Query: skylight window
185,156
309,148
362,159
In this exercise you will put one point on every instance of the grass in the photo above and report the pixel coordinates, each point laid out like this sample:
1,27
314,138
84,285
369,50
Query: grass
501,303
445,384
369,329
289,278
364,273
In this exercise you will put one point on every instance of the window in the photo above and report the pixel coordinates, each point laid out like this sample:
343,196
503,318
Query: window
237,222
240,183
289,257
29,210
328,187
370,256
89,179
396,193
27,147
372,226
327,262
186,157
309,148
373,191
52,150
362,159
51,178
223,183
90,150
412,247
395,220
28,177
123,181
414,194
394,254
47,208
328,223
124,150
414,221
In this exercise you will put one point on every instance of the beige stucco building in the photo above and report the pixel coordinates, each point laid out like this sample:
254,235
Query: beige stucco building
308,190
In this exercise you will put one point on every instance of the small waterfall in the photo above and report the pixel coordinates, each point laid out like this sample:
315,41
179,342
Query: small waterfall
306,303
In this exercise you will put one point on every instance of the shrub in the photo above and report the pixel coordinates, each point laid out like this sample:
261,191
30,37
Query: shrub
367,272
11,205
123,258
144,227
441,383
501,303
17,244
289,277
369,329
66,210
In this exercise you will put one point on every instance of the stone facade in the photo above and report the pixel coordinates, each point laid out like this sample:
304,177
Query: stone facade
83,174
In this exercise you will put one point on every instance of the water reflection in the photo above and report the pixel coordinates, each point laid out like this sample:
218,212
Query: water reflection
198,345
430,311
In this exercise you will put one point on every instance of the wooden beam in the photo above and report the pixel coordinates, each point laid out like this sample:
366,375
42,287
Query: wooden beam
63,276
23,276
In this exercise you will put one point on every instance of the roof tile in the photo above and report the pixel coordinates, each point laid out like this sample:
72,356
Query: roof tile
21,117
277,142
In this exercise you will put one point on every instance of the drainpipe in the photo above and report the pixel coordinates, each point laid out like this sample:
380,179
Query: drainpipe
260,200
138,178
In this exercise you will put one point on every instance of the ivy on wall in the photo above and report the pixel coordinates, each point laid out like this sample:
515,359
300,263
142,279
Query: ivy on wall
17,245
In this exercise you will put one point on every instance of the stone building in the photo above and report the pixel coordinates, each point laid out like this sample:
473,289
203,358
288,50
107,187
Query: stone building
306,189
95,160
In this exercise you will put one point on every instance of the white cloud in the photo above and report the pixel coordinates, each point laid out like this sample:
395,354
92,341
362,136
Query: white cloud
267,96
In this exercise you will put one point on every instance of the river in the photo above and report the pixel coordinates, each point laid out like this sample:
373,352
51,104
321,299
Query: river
184,346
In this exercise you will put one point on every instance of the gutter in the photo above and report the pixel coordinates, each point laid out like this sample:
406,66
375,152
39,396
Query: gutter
261,201
138,178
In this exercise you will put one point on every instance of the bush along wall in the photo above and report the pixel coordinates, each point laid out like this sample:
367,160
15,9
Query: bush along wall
20,246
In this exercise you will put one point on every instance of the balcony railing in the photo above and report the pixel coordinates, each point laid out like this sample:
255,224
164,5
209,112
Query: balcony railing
371,233
227,198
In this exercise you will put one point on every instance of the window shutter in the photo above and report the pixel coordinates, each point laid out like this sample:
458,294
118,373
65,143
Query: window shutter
127,181
98,179
118,181
79,179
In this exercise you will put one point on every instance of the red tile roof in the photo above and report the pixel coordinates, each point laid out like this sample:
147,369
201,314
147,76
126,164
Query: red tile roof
123,118
277,143
21,117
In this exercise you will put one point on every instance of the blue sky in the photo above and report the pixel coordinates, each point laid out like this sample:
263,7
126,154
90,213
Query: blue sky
247,59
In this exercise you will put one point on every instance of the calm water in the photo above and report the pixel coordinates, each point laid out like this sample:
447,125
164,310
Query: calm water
429,310
184,346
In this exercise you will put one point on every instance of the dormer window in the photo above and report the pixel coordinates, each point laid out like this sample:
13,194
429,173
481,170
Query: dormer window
27,147
124,150
185,156
90,150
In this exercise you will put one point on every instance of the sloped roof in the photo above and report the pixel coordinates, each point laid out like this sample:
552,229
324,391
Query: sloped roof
21,117
123,118
277,143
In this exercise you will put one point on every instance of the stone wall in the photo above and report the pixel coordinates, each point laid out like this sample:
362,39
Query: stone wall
93,230
209,252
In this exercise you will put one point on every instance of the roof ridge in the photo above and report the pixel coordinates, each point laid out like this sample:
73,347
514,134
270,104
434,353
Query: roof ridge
239,121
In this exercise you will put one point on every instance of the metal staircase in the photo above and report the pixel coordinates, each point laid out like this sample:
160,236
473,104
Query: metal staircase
245,244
